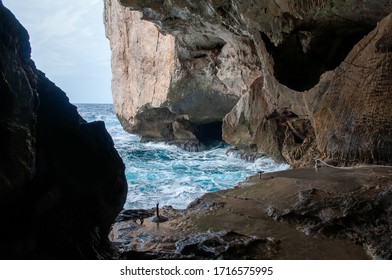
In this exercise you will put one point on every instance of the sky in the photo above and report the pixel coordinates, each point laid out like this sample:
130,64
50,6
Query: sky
69,45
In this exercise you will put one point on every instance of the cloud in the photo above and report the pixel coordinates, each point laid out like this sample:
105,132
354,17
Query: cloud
67,38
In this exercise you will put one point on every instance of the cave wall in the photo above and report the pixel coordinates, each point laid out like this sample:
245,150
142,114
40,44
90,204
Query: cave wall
62,182
352,116
289,55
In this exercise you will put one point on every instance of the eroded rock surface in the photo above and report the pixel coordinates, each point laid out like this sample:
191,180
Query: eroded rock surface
225,245
186,79
352,105
295,214
257,67
62,182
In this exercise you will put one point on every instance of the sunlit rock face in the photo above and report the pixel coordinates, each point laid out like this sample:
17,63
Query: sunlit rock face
170,85
143,61
62,182
267,70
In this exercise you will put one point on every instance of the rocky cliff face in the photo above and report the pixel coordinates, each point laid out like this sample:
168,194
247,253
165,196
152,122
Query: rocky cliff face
352,115
286,78
62,182
336,119
187,79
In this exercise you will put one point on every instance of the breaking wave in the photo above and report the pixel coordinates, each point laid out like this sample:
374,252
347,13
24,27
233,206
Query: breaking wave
157,172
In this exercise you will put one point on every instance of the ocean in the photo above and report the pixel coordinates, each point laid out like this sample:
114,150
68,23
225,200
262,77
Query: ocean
157,172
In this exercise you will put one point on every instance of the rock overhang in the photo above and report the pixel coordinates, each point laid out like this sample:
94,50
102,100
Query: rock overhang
251,64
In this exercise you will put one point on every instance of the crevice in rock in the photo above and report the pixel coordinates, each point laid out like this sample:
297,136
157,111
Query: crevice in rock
309,51
210,132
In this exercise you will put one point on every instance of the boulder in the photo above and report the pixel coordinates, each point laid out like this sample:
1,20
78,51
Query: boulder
225,245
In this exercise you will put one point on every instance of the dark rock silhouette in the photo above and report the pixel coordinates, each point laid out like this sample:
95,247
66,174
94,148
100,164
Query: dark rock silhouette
62,182
134,215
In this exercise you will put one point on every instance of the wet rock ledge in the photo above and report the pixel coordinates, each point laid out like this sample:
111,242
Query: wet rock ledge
293,214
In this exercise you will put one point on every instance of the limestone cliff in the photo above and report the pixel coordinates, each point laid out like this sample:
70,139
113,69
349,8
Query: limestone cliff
175,86
287,78
62,182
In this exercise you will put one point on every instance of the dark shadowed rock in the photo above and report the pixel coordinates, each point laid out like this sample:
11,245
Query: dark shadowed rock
225,245
363,215
62,182
18,106
134,215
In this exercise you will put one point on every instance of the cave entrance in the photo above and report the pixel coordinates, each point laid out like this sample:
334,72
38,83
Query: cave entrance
308,52
210,133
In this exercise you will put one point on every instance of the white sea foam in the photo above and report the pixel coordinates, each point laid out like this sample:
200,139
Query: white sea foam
157,172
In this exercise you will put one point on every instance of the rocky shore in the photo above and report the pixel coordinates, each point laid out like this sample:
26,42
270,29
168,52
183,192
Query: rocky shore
294,214
265,77
294,80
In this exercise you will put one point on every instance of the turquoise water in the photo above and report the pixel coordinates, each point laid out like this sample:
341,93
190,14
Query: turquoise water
157,172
